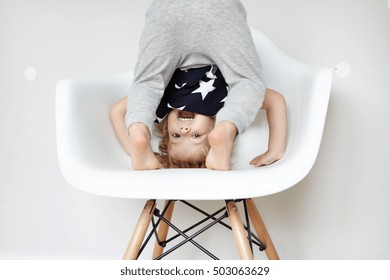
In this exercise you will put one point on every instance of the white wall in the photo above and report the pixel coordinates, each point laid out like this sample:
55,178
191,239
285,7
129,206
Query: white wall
340,211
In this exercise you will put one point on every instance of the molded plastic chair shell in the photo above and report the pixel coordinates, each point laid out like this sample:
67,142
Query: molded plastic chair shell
92,160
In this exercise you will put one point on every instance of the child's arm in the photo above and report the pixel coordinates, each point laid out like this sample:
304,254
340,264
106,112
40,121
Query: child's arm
117,114
137,143
275,105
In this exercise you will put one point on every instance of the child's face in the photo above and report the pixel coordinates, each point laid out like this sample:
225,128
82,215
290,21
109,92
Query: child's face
188,135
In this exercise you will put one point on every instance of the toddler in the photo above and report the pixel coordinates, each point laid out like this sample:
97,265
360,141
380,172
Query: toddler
190,34
185,117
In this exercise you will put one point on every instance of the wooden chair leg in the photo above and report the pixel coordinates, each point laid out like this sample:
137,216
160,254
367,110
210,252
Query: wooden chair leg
261,230
163,229
239,231
140,231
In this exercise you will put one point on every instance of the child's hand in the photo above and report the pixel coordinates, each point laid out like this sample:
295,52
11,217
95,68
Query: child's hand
267,158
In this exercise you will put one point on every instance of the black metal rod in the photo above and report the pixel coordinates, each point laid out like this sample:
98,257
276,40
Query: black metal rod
190,238
205,213
248,224
256,240
153,230
197,224
159,220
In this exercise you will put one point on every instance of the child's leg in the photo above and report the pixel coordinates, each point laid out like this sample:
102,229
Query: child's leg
157,60
138,144
240,65
221,140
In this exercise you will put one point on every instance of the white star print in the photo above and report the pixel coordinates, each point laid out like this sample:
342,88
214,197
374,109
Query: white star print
205,88
180,108
161,119
210,74
179,87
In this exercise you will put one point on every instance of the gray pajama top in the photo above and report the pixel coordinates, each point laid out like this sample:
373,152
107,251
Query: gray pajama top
190,34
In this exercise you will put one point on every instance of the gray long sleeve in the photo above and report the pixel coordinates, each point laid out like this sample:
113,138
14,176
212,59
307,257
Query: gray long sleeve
190,34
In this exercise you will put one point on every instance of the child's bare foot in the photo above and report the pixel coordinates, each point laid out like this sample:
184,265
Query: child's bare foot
142,155
221,140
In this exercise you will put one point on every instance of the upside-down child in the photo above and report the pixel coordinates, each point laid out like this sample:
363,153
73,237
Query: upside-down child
187,34
185,119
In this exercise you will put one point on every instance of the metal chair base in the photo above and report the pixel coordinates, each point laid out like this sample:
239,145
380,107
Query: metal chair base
161,222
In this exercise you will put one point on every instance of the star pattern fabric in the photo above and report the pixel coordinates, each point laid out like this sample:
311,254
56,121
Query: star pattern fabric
198,90
205,88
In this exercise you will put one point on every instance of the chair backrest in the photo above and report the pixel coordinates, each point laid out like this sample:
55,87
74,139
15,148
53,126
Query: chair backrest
86,141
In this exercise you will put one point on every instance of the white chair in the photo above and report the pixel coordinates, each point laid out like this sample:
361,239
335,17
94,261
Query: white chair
92,160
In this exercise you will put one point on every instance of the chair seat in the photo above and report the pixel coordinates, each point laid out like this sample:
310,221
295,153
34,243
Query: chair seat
189,184
92,160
